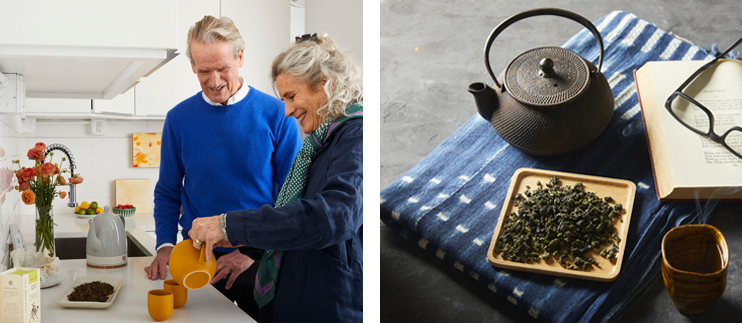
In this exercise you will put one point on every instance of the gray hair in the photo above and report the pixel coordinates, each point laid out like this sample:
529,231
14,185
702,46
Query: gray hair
316,59
210,30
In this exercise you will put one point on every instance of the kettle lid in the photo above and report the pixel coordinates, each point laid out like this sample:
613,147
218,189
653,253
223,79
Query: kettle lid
547,76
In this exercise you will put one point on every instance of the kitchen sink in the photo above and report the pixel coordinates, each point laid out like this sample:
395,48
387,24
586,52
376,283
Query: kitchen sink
76,248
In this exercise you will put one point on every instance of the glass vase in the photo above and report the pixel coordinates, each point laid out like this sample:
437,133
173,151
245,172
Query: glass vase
45,229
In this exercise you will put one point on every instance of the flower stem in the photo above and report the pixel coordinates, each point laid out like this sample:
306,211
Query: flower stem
44,228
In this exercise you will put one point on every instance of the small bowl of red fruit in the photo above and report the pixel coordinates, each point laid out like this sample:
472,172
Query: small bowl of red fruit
126,210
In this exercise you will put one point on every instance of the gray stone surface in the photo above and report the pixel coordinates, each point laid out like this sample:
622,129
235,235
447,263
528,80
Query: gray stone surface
431,50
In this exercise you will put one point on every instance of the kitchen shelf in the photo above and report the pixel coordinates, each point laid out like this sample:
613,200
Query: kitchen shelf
90,116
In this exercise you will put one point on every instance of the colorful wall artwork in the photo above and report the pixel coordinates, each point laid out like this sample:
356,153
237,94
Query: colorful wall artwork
146,148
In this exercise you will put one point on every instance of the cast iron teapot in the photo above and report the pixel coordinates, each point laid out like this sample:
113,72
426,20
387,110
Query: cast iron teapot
551,100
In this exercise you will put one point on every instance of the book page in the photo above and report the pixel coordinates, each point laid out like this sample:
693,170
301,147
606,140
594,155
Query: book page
696,161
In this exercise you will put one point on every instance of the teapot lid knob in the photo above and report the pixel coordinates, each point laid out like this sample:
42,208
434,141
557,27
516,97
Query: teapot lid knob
546,67
547,77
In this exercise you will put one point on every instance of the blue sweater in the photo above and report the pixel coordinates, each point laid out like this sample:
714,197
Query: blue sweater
216,159
321,275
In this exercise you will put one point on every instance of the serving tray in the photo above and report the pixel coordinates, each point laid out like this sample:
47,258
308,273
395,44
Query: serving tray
115,281
622,191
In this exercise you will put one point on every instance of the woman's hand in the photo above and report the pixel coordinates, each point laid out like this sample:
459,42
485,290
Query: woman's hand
206,231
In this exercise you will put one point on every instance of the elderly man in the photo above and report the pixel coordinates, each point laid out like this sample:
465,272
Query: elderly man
228,147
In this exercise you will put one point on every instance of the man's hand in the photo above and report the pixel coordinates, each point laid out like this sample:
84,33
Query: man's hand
232,264
159,264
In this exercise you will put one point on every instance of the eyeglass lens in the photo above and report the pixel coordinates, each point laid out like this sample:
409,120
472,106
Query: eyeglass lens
733,140
694,117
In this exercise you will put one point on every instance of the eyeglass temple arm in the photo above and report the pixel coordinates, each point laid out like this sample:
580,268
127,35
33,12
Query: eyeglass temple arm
730,48
700,70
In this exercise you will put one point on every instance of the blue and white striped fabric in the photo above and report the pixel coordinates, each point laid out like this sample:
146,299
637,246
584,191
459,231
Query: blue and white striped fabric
450,202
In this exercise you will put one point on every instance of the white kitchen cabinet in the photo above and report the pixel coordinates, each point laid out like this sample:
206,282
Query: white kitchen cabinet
41,105
122,104
174,82
85,49
87,23
265,27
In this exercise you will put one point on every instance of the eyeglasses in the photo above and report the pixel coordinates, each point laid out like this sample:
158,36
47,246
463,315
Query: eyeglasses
307,37
698,118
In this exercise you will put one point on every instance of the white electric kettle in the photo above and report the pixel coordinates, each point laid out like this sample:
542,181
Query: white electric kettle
106,244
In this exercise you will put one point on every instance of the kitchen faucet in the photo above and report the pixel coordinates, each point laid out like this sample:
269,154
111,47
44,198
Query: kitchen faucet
66,151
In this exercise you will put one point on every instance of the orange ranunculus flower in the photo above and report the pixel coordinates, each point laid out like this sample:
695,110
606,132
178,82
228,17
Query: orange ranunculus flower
48,169
28,197
40,146
62,194
26,174
75,179
35,154
61,180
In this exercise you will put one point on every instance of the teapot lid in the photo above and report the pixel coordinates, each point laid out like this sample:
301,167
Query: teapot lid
547,76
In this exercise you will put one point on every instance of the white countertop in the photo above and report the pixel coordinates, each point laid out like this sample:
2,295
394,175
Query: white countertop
130,305
70,225
131,302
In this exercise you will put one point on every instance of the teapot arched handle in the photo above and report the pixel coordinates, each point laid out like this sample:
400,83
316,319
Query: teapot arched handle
539,12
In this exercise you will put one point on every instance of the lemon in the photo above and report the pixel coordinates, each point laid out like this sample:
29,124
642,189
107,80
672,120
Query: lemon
77,209
85,205
98,210
94,205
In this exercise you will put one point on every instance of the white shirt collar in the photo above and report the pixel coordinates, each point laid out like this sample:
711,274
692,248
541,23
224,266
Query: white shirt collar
237,97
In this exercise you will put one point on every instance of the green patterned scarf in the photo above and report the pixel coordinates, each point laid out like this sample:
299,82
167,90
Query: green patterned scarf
292,190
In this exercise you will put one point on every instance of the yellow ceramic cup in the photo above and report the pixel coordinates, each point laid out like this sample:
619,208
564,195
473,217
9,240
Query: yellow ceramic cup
160,304
694,266
180,293
189,267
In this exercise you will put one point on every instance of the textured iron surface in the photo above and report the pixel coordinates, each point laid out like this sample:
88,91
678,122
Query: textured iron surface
570,79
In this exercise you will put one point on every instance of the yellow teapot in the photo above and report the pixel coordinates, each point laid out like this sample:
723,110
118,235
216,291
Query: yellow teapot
189,267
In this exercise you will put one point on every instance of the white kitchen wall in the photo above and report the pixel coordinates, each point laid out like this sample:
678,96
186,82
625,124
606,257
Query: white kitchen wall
341,19
101,160
10,139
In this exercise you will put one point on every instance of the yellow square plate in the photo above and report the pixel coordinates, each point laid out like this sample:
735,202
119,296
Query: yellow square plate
622,191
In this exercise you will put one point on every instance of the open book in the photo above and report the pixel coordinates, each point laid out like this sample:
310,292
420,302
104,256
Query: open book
686,165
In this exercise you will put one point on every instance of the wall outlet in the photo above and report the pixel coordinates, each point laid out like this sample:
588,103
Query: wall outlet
98,127
28,125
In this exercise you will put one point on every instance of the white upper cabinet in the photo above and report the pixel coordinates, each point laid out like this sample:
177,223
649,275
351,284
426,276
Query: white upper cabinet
265,27
86,49
174,82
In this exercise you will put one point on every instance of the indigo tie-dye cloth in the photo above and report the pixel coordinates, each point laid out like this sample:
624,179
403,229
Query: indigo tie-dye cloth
450,202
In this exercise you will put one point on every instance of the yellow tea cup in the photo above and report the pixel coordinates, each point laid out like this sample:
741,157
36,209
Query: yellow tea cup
160,304
180,293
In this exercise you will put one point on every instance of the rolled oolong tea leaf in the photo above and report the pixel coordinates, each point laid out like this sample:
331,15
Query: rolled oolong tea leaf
95,291
562,223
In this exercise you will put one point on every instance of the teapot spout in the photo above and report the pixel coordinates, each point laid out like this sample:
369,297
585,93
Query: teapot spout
485,98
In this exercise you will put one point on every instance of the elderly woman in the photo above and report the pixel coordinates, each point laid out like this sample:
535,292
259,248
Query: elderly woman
312,269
